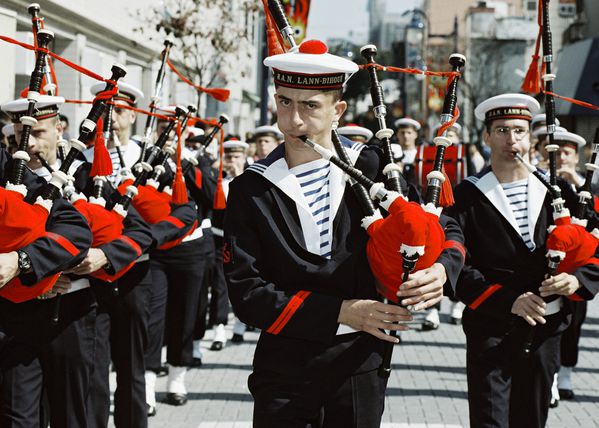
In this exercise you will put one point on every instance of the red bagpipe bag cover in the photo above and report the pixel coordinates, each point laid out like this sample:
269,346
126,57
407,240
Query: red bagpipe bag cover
154,206
21,223
106,226
572,239
407,223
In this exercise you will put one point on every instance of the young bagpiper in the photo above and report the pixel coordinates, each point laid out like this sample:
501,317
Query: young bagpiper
504,212
296,263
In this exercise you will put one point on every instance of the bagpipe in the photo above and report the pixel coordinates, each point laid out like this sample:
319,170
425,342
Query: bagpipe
22,223
569,245
410,237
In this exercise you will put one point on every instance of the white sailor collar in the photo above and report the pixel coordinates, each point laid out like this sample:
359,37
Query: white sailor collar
275,169
490,187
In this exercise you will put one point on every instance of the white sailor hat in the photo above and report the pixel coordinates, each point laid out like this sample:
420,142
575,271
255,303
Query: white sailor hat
127,92
353,130
507,106
407,121
268,130
541,120
46,106
569,138
310,67
542,131
194,132
8,130
233,145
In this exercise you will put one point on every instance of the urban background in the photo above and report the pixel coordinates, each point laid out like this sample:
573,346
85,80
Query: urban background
222,43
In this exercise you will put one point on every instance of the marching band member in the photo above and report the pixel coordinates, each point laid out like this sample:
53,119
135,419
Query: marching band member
296,265
177,275
267,138
122,322
356,133
504,212
570,145
58,357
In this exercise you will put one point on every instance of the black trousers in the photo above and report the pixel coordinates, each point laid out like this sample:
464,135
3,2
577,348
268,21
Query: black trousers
177,276
122,336
506,389
571,336
327,401
215,310
58,357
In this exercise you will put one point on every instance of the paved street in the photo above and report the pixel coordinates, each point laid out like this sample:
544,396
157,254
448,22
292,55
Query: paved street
427,387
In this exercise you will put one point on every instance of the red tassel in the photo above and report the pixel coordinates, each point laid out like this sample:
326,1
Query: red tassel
532,80
273,36
102,164
218,94
179,190
220,200
198,178
446,196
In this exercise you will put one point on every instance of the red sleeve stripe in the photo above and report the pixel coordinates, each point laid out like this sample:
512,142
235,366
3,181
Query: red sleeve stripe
131,243
456,245
293,305
488,292
575,298
198,178
64,243
175,221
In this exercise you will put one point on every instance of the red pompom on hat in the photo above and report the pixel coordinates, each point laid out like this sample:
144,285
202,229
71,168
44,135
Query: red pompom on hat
315,47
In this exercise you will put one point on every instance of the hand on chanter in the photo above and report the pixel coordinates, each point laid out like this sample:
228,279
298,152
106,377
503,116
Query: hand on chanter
530,307
9,267
562,284
93,261
371,316
423,288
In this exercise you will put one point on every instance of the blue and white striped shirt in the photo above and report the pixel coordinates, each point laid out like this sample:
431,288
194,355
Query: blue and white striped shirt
517,195
313,178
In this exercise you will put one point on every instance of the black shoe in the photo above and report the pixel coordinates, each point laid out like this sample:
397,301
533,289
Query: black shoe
250,328
237,338
429,325
553,403
216,346
566,394
151,410
162,371
175,399
196,362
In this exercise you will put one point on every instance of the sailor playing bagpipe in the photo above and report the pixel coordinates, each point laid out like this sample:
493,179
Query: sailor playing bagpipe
505,212
296,264
58,356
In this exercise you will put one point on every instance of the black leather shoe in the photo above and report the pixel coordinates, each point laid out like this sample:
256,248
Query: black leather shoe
566,394
162,371
196,362
216,346
250,328
151,410
429,325
175,399
237,338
